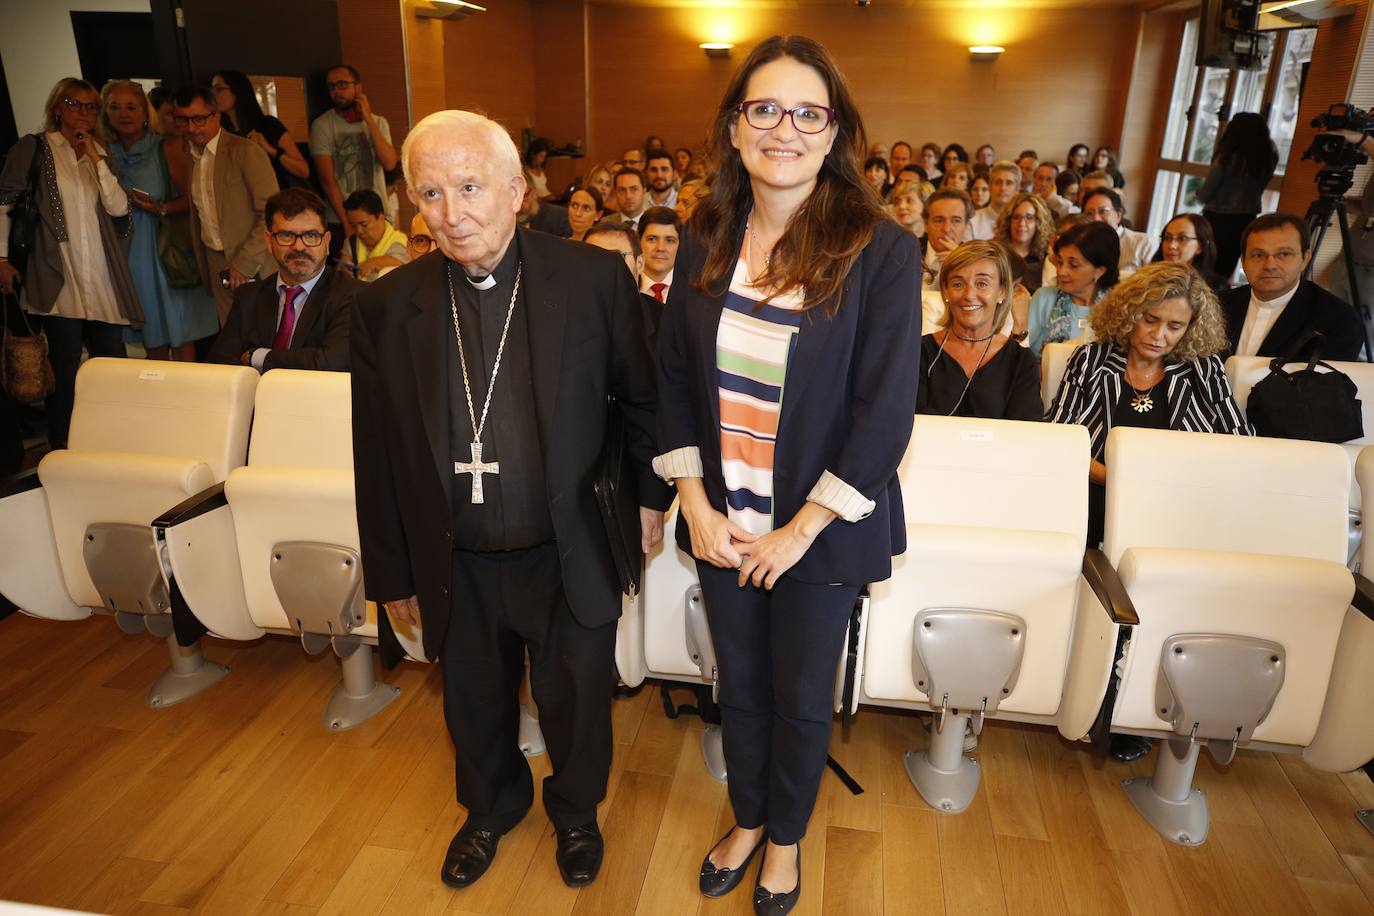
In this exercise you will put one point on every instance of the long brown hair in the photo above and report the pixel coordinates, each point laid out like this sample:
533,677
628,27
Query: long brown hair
829,230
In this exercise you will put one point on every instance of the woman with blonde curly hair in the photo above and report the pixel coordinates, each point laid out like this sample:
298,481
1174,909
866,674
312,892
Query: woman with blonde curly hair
1155,363
1024,229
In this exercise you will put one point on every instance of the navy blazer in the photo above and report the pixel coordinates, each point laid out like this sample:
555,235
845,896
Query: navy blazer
1311,309
851,394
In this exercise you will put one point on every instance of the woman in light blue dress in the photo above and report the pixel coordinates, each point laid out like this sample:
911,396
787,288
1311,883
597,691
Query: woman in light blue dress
174,317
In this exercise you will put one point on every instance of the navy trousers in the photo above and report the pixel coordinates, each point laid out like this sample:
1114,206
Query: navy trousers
777,652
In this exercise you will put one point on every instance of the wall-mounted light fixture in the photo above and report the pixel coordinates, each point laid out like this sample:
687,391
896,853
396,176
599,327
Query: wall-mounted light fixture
447,9
716,48
984,52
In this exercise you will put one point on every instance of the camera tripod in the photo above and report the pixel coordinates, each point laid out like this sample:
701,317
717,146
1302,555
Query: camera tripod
1331,190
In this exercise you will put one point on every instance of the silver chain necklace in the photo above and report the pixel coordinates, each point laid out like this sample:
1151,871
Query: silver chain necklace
477,467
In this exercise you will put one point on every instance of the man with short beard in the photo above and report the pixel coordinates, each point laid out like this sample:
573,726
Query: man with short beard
351,146
298,317
658,169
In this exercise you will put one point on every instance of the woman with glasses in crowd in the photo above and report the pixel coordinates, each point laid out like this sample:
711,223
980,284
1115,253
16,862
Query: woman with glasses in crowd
1187,239
954,153
803,284
1024,229
77,273
1104,160
236,100
177,311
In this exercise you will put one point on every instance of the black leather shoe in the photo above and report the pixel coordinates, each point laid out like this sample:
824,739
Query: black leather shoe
1129,748
580,850
717,882
767,903
469,856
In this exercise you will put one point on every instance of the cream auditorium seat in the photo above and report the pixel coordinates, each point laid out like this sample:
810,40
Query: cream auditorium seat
663,633
1233,552
1054,359
993,610
1244,372
275,548
77,535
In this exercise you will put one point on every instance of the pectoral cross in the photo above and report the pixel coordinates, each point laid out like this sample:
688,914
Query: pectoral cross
476,467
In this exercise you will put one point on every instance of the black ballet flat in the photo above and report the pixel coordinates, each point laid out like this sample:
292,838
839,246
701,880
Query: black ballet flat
1129,748
717,882
767,903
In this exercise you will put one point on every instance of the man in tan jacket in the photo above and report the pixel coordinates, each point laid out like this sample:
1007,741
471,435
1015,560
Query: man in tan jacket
231,180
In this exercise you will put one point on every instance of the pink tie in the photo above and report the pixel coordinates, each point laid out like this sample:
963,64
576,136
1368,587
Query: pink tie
657,289
288,319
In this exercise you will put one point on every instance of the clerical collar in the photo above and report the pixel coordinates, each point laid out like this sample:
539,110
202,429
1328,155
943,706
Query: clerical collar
504,271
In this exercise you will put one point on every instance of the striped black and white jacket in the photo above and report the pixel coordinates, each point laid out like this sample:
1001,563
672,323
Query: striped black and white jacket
1200,398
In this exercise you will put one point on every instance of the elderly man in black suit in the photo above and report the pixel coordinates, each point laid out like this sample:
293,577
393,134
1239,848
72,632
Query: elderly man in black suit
480,385
297,318
1271,315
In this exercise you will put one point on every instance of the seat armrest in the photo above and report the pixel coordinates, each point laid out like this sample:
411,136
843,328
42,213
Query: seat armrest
1106,584
1364,596
207,500
14,484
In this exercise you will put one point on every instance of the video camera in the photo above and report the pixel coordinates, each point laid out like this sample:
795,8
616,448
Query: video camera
1333,151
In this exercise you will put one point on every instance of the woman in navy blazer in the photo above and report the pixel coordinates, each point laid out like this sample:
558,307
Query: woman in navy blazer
788,367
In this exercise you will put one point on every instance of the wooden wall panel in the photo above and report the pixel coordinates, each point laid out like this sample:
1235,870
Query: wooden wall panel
425,48
560,61
490,65
370,34
1147,107
1060,80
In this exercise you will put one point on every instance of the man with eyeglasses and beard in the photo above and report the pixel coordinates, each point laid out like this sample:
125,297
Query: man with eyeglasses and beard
298,318
231,180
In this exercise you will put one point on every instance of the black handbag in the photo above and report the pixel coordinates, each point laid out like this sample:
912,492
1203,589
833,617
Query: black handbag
24,214
1306,404
617,495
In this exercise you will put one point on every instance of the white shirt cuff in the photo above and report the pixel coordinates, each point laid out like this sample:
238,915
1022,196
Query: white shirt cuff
680,462
258,357
842,499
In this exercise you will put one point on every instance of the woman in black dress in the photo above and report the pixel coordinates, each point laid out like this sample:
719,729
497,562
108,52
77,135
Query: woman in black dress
242,115
970,368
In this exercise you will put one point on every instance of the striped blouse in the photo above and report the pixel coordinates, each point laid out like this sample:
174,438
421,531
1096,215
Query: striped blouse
754,344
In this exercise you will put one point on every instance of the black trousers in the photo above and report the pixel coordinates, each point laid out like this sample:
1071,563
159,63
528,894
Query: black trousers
502,605
777,651
65,339
1227,229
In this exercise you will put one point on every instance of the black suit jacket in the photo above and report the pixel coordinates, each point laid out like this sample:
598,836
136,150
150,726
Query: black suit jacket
1311,309
552,219
851,395
321,337
586,342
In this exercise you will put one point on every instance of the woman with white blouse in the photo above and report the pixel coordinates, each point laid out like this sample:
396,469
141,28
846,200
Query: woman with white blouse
77,272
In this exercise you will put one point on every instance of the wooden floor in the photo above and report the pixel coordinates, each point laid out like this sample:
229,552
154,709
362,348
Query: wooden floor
238,801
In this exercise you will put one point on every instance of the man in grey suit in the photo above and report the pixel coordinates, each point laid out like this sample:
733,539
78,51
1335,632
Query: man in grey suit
231,180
